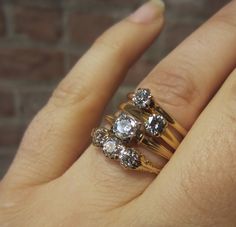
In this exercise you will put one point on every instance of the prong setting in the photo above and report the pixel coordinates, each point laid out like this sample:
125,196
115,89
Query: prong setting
112,148
99,136
155,125
142,98
126,127
130,158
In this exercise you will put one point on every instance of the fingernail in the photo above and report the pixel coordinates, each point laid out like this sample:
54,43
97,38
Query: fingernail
148,12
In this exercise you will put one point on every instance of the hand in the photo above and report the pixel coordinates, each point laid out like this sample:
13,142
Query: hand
57,179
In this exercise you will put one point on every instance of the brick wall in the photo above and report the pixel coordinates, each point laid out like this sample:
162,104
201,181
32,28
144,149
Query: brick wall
40,41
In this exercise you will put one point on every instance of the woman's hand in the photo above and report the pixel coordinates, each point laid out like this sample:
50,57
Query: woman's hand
56,179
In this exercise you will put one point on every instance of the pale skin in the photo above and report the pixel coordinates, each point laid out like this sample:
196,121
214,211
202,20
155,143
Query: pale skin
58,179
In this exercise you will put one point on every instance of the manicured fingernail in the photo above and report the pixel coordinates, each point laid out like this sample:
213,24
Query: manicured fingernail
148,12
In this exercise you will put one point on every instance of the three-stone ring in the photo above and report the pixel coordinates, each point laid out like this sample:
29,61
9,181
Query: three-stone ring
139,122
113,148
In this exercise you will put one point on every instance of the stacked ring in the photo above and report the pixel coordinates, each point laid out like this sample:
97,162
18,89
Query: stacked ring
139,122
136,136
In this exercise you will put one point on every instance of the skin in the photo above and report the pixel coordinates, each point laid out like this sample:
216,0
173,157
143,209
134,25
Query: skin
58,179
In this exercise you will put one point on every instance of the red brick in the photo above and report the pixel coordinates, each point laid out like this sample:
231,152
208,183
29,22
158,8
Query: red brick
213,6
175,33
84,28
31,64
32,101
73,59
38,23
193,9
2,23
123,2
10,133
5,160
104,3
182,8
7,104
41,3
138,72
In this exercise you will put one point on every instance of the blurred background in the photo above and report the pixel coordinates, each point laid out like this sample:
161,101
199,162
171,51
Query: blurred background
41,40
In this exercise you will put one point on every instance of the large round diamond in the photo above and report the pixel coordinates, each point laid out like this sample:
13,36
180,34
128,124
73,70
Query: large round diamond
125,127
112,148
155,125
142,98
130,158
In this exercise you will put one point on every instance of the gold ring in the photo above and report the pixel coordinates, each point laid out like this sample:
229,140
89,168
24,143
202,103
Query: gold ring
143,100
138,137
113,148
139,121
165,133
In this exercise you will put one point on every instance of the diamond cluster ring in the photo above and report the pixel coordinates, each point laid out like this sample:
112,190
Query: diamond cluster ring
139,122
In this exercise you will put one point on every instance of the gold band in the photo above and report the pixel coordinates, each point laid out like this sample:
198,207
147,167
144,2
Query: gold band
156,148
147,166
129,158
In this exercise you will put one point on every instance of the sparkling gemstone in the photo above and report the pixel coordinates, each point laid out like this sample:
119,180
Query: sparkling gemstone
99,136
155,124
112,148
125,127
142,98
130,158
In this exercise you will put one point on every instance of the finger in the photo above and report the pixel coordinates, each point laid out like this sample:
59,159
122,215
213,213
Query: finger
183,84
62,129
203,189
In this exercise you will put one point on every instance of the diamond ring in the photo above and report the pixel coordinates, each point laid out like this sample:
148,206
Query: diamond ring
144,101
155,125
139,122
113,148
131,131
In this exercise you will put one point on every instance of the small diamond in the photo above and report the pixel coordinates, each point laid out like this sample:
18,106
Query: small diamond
155,124
112,148
142,98
130,158
99,136
126,127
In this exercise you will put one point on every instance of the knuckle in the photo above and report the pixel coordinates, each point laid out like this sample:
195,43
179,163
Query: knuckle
105,42
114,47
173,87
69,93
